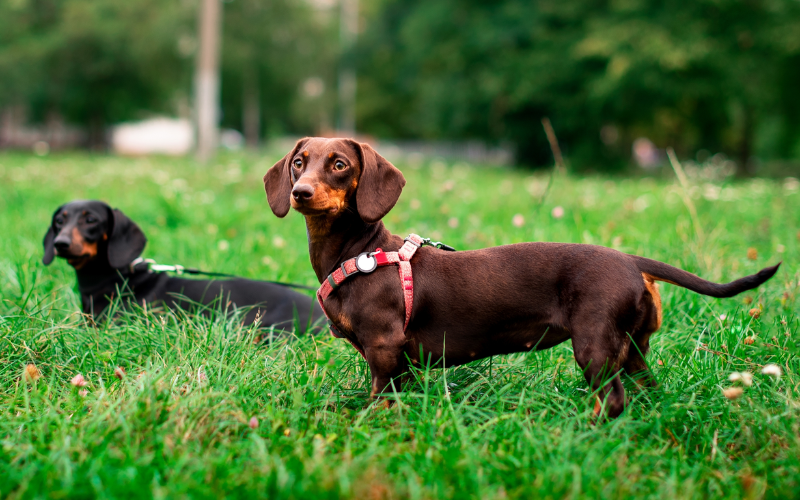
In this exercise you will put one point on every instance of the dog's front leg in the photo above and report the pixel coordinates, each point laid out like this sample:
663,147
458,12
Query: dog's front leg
387,363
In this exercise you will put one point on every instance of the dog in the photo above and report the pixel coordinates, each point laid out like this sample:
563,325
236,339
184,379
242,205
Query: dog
102,244
479,303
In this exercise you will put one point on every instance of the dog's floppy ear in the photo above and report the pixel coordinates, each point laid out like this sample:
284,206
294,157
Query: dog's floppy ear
278,183
49,236
126,241
380,184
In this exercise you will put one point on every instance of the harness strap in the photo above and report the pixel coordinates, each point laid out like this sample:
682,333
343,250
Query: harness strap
350,267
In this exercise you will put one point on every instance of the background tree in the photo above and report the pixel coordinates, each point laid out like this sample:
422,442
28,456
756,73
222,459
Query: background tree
96,62
705,74
270,49
719,75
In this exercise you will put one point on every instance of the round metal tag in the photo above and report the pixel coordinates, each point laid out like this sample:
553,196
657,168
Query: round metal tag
366,263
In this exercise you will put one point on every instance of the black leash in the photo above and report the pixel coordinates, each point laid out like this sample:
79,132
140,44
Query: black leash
141,264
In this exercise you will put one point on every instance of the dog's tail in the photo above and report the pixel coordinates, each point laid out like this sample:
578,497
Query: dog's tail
664,272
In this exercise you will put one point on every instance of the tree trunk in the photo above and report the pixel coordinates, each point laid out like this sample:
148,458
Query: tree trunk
251,112
97,133
207,79
746,142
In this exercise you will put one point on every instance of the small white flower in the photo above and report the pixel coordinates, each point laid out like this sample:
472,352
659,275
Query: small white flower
745,378
722,317
733,392
772,370
78,381
518,220
223,245
558,212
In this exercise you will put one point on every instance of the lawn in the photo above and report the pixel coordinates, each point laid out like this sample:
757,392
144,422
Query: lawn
177,424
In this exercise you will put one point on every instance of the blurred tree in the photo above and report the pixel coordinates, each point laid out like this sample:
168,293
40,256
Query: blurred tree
270,49
95,62
700,74
99,62
715,74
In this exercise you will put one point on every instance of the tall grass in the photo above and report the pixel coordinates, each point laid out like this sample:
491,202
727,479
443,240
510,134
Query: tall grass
519,426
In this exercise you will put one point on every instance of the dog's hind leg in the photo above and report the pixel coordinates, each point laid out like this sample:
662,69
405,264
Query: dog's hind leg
650,306
635,366
598,360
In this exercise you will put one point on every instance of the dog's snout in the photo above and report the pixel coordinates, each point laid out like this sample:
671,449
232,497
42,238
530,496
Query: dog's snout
302,192
62,243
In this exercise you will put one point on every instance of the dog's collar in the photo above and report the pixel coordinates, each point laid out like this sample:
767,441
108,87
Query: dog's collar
141,264
366,263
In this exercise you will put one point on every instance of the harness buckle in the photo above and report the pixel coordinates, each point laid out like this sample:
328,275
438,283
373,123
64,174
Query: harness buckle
424,241
344,271
332,282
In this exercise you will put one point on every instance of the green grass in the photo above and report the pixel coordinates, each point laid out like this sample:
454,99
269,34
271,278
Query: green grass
511,427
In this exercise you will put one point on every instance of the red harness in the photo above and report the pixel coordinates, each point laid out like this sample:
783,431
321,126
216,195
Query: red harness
368,262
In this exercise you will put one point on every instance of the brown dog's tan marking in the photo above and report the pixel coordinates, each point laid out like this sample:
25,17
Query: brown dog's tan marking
344,322
652,287
478,303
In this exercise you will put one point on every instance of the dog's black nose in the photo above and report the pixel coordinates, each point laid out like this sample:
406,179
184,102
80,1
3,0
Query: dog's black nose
61,243
302,192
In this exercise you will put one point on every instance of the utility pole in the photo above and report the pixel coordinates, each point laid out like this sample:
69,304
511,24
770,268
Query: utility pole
348,29
206,79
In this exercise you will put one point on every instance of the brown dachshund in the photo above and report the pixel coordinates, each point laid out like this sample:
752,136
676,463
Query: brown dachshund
479,303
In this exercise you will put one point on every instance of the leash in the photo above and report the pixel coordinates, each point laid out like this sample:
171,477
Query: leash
141,264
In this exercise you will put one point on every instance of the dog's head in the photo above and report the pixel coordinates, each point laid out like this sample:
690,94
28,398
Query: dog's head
85,230
327,177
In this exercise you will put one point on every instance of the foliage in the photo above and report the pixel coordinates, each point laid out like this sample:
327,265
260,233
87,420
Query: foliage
95,62
99,62
275,47
511,427
706,74
718,75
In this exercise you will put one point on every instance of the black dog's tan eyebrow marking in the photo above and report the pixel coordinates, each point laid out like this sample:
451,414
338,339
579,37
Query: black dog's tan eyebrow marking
64,213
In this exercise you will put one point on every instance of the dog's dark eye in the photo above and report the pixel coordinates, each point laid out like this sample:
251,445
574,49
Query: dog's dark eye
58,221
339,165
298,163
90,220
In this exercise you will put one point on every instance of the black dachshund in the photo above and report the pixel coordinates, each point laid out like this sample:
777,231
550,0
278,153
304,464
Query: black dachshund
103,246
